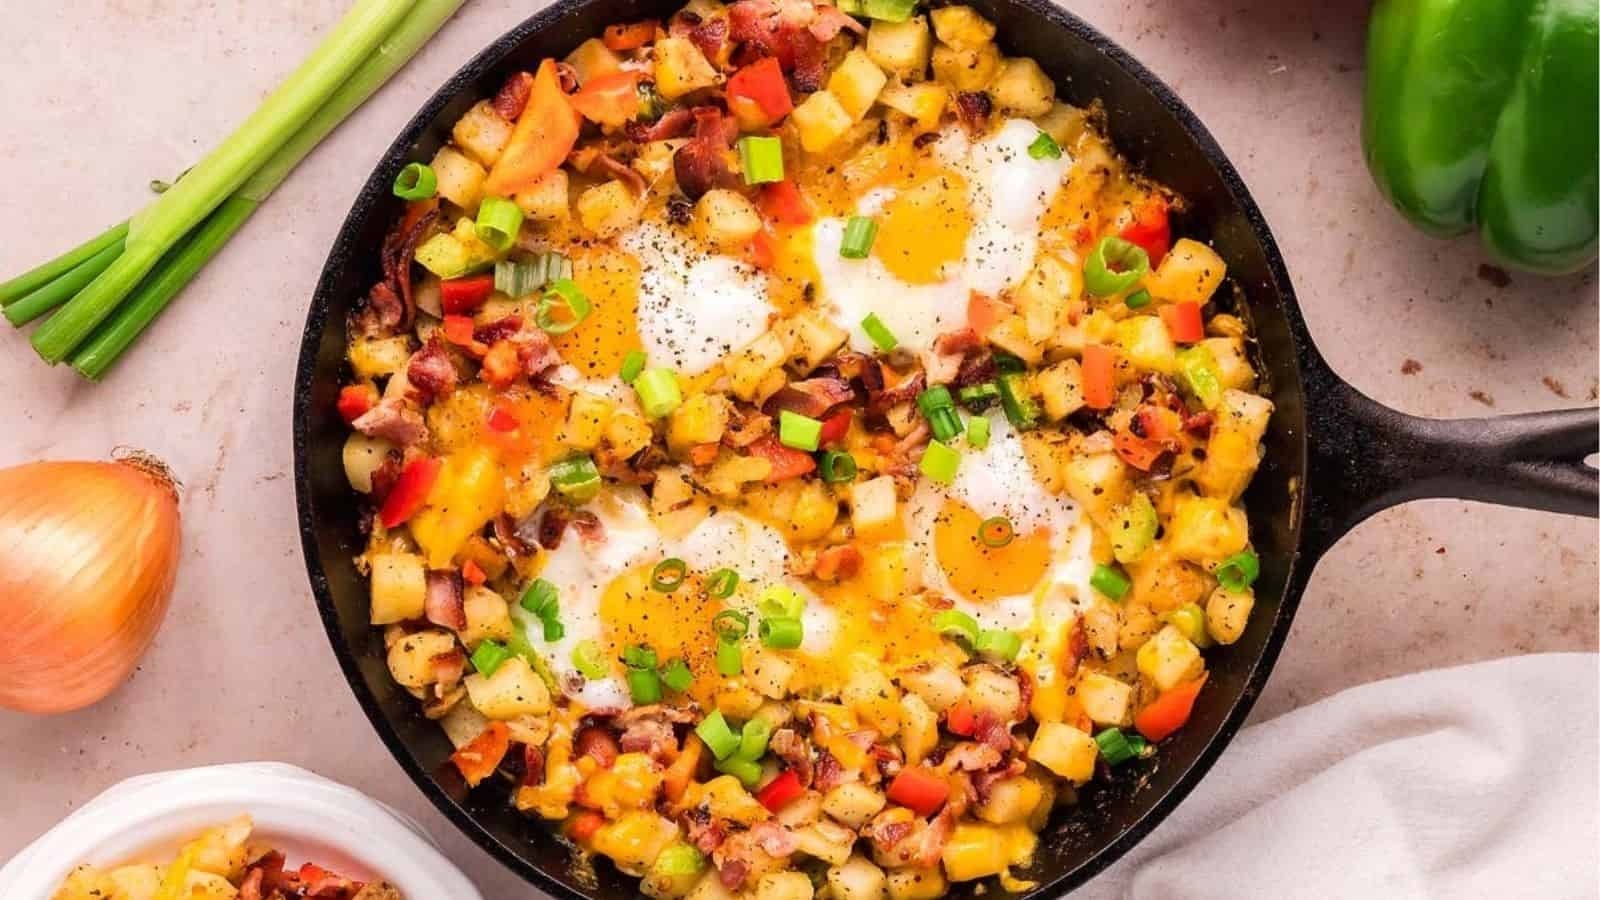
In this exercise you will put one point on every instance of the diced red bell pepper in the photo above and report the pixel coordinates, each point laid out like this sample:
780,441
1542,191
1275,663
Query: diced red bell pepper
919,790
1170,710
1099,387
410,491
1183,322
629,36
762,83
835,427
501,365
610,99
1141,453
311,873
985,312
961,719
502,419
787,462
458,330
1154,424
1151,229
781,791
460,296
472,573
582,826
544,134
763,250
482,755
782,202
355,400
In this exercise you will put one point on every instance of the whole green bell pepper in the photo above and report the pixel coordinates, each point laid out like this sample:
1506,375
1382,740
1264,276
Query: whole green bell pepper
1486,114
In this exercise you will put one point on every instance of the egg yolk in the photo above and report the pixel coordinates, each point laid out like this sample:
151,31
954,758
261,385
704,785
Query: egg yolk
610,279
924,228
982,573
673,625
793,269
889,629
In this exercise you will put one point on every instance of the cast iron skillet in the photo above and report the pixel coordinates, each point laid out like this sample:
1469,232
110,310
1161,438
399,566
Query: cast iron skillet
1333,456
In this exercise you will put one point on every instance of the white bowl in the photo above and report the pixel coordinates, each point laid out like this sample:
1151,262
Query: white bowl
305,815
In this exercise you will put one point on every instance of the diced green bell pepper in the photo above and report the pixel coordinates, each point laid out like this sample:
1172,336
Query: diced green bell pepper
1134,530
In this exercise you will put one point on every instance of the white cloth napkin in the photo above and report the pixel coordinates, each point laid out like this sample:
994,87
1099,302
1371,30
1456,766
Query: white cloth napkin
1476,781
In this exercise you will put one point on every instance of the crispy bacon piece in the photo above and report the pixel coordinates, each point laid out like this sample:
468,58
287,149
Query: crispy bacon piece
567,74
499,330
551,527
774,839
443,604
674,123
392,420
904,392
705,162
830,21
385,475
984,782
532,766
1199,424
652,737
596,742
732,872
430,372
783,30
381,314
400,248
449,668
622,172
746,425
250,888
588,526
813,397
513,96
829,774
838,562
789,746
710,36
535,351
977,367
1072,654
973,109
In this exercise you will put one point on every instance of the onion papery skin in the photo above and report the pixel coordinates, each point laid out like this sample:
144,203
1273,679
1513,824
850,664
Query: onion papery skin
88,556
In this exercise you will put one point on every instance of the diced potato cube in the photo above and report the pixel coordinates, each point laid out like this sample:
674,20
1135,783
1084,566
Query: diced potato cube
961,27
592,59
822,121
966,70
488,616
1105,700
460,177
874,506
870,695
586,420
86,883
919,728
810,339
399,586
220,850
1147,344
940,686
482,133
924,102
377,357
917,884
995,693
816,509
701,419
681,68
411,658
853,803
608,209
788,885
748,368
546,200
1169,659
1011,335
893,572
770,675
725,219
710,887
858,879
974,851
1022,88
1064,123
513,690
1011,800
627,433
1227,614
856,83
634,840
1099,483
1190,272
1064,750
1061,388
726,798
362,456
1206,530
1233,366
1044,296
901,47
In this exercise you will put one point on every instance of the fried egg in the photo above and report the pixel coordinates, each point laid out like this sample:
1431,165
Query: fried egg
970,223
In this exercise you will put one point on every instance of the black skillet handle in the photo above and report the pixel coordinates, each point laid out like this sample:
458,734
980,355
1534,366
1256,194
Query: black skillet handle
1365,457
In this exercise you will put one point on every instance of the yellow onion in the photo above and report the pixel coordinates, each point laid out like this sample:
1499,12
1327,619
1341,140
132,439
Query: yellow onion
88,554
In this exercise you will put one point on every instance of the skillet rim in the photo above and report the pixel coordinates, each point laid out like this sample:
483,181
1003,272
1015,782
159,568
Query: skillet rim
1304,363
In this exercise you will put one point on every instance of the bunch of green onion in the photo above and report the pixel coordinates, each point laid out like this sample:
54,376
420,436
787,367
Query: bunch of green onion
103,294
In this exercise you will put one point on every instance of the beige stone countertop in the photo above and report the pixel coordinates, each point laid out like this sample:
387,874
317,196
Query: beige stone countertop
101,96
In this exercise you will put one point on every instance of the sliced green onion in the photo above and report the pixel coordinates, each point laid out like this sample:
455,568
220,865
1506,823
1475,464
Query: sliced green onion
1007,363
539,595
999,644
416,181
939,462
1199,370
1114,746
889,10
644,685
799,432
650,103
669,574
1017,401
979,397
753,740
588,660
858,235
730,657
1044,147
678,860
781,600
721,585
489,656
1138,299
957,624
499,221
781,632
996,531
1110,582
978,431
1191,620
640,656
521,277
576,478
940,410
676,675
658,392
553,629
730,624
632,365
748,773
761,159
1240,570
716,734
879,332
562,307
837,467
1113,266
